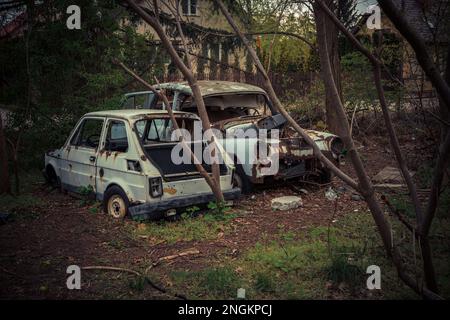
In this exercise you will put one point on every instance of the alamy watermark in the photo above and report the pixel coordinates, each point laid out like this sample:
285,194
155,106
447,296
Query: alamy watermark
250,147
374,280
74,20
74,280
374,20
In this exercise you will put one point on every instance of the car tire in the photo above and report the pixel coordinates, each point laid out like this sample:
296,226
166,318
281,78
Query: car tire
52,179
116,203
241,180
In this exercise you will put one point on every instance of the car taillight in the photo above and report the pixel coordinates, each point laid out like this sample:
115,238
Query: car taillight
156,189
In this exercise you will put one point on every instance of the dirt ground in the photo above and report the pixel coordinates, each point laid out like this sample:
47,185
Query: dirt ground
36,248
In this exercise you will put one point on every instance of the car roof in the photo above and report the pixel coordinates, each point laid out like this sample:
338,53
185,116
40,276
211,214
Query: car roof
213,87
134,113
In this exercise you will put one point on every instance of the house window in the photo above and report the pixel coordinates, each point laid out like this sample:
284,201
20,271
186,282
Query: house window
189,7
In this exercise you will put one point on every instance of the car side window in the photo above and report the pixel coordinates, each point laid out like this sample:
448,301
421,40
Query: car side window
160,130
88,134
139,101
116,136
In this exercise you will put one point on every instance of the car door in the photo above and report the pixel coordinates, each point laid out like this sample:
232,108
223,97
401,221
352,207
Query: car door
79,157
118,162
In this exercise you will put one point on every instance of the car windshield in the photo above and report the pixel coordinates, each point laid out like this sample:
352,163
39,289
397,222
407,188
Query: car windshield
161,129
224,107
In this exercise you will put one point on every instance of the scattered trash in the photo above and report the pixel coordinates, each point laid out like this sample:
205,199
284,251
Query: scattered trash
298,190
356,197
286,203
304,191
330,194
241,293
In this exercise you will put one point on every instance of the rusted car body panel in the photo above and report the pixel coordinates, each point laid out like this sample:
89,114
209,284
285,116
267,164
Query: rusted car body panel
132,169
233,105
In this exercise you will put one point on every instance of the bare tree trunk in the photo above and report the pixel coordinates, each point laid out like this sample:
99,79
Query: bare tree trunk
420,217
277,104
153,21
331,34
186,147
364,186
5,185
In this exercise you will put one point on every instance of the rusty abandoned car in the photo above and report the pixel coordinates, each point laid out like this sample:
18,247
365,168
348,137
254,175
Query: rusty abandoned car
234,107
124,158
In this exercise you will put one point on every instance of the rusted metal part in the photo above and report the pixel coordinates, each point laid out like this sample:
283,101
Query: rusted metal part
295,155
102,169
221,124
208,88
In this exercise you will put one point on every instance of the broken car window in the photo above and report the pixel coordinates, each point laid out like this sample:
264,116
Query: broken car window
116,137
160,129
139,101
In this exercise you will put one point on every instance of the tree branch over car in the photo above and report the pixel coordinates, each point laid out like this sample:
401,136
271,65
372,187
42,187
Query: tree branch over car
364,185
185,68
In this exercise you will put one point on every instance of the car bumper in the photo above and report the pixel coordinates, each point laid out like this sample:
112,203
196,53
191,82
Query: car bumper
155,210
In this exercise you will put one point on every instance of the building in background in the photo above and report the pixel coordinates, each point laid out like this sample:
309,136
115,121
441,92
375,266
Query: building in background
430,20
216,53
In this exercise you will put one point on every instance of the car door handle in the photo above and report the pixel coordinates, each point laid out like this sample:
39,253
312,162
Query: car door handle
91,158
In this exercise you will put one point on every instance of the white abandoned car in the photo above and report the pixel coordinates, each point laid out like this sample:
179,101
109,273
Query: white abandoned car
239,111
124,158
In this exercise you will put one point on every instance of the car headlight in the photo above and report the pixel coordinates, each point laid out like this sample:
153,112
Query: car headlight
337,146
156,189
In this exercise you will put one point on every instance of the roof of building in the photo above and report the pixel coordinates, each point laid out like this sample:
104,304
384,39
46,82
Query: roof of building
213,87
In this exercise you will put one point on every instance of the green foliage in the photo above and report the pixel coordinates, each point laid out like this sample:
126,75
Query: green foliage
117,244
219,210
310,107
315,266
424,175
357,81
264,283
209,283
344,268
286,53
402,204
87,195
70,71
137,283
191,211
188,228
220,281
23,202
85,190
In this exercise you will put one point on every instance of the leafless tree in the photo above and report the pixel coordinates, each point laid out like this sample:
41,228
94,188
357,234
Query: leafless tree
161,95
423,217
363,184
333,51
150,15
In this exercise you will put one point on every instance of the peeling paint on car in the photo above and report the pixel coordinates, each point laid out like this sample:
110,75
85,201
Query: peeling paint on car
80,166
